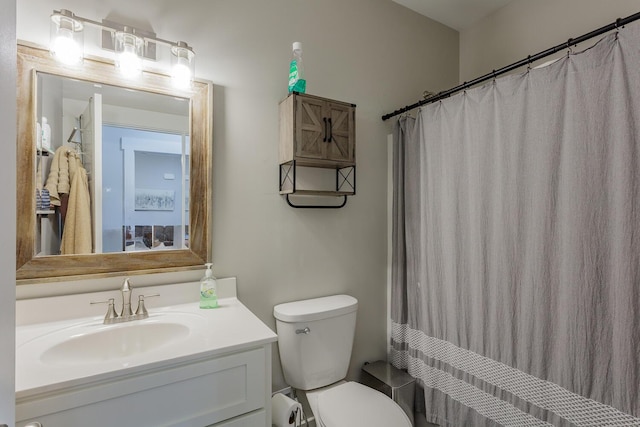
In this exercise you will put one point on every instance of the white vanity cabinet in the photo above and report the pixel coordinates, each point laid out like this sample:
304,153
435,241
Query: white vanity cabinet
228,390
220,375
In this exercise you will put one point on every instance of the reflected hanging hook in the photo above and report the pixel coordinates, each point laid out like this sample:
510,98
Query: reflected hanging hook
73,133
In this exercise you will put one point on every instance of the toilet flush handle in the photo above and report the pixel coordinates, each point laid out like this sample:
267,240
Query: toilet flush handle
305,331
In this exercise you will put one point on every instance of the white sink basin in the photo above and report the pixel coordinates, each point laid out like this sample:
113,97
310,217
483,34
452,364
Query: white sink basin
89,344
117,342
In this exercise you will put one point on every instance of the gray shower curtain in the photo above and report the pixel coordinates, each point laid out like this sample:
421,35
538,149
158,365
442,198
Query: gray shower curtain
516,237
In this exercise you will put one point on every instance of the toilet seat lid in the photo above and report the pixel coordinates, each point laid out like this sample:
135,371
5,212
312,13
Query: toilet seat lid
354,404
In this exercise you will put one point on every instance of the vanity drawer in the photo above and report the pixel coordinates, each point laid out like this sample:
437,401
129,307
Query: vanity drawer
254,419
197,394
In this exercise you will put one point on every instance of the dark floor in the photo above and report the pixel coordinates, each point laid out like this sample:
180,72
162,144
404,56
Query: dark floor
419,421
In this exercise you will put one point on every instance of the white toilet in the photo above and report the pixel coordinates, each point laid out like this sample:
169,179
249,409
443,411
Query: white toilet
315,338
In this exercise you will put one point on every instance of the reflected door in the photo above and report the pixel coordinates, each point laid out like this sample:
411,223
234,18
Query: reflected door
145,191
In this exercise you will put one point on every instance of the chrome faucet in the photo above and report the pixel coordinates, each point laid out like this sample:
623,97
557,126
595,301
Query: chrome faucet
126,298
126,315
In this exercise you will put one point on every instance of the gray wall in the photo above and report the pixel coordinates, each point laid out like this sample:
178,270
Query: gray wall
8,210
373,53
526,27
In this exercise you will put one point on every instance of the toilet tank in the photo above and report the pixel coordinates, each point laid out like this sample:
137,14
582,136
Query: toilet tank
315,338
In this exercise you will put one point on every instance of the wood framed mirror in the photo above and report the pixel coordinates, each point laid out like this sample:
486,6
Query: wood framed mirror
36,266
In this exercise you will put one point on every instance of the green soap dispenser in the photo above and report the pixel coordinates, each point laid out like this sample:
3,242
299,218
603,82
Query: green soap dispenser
208,290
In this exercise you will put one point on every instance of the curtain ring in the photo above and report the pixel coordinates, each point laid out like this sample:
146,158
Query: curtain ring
569,50
528,63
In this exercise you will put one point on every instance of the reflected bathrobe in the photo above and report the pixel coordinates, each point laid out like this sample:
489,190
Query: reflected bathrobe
76,237
63,167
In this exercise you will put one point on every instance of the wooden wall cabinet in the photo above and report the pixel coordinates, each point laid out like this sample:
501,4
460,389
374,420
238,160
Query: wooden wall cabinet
320,133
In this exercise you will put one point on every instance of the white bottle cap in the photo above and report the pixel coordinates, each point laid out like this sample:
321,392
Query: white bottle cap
297,46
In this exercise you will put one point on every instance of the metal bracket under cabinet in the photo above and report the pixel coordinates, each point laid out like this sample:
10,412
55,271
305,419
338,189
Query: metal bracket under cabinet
293,205
345,186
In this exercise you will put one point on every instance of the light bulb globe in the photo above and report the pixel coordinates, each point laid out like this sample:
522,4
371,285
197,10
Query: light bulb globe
181,74
66,50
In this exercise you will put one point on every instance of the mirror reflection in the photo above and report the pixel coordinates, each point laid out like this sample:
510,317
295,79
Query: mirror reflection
112,169
147,235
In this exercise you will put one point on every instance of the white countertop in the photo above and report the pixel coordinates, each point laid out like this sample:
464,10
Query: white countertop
227,329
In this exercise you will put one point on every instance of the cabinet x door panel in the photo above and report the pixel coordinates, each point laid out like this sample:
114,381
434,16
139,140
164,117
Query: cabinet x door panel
311,129
340,146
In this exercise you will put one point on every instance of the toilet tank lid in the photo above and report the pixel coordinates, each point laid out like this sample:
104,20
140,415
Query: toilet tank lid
315,309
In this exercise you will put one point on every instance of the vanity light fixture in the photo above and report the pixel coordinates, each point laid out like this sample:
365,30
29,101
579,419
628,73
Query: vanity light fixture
182,64
129,49
130,45
66,37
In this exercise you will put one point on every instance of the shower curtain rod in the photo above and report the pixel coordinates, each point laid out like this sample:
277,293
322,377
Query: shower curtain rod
527,61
